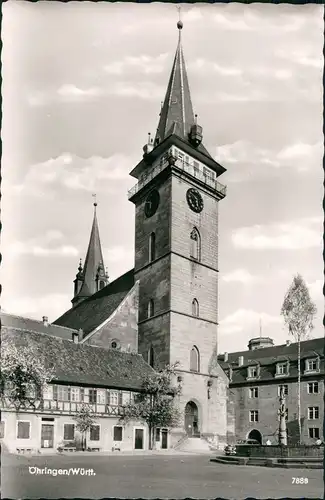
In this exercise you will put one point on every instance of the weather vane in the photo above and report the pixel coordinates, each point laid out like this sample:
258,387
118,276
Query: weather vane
179,8
95,199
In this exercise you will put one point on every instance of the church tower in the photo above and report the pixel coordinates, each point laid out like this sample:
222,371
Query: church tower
92,276
176,203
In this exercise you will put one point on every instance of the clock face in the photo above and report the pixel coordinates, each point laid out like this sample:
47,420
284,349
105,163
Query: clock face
194,200
152,203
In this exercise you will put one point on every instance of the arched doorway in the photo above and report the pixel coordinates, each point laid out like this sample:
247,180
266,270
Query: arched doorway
255,434
192,419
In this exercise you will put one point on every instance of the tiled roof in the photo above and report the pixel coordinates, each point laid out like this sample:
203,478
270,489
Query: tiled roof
268,357
18,322
94,310
81,363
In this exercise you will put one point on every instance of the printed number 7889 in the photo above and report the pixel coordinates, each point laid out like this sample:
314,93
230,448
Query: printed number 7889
300,480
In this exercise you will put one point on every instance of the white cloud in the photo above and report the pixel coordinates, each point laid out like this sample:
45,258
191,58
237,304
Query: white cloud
316,289
76,173
143,64
32,248
192,15
204,65
51,305
246,320
72,92
300,156
295,235
239,275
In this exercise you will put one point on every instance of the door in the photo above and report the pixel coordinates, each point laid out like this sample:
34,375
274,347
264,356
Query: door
138,439
191,419
47,436
164,434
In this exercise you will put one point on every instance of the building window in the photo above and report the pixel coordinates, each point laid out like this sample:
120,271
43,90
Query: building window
23,429
125,398
152,247
68,432
195,359
114,344
313,412
101,285
75,394
283,388
48,392
63,393
253,415
253,392
157,434
92,396
113,398
94,433
282,368
101,396
312,387
2,429
151,357
311,365
313,432
151,308
252,371
195,308
118,433
195,239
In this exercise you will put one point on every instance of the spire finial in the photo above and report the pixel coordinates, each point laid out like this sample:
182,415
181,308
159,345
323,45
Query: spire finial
80,265
95,200
179,24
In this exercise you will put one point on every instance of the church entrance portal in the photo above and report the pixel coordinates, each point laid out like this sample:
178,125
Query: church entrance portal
192,419
255,434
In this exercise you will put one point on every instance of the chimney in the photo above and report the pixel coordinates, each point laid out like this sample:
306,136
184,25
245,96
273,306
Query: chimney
80,334
225,356
45,321
240,360
75,337
288,342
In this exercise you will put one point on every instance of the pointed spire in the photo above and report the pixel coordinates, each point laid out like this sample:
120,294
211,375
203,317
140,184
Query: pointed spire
177,114
93,269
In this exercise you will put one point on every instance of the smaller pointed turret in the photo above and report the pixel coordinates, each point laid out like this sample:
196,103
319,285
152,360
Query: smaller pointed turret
92,276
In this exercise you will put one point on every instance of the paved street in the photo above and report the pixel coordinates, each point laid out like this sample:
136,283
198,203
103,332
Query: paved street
155,476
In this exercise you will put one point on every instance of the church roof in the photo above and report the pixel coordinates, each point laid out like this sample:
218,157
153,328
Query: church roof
33,325
177,115
83,364
94,260
267,357
94,310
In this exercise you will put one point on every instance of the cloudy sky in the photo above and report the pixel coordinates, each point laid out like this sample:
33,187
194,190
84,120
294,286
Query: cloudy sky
82,86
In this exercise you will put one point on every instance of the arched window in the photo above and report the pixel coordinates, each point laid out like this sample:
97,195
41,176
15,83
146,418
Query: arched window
195,359
152,247
101,285
195,244
151,357
151,308
114,345
195,308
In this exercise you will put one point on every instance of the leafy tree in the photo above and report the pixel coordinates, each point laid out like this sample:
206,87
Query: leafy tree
298,312
23,376
155,404
85,420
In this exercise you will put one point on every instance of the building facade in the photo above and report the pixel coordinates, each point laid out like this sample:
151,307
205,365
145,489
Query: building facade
256,377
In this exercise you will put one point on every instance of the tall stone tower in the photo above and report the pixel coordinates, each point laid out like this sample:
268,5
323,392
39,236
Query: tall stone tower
176,257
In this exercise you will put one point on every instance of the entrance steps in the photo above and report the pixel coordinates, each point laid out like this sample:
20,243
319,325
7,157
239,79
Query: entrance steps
194,445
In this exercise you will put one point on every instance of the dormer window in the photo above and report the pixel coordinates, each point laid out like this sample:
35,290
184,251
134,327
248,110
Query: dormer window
312,365
252,371
282,368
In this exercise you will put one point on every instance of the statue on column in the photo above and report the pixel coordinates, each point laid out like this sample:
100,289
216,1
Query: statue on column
282,424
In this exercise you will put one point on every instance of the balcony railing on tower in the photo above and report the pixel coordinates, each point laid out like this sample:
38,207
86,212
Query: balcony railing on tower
185,167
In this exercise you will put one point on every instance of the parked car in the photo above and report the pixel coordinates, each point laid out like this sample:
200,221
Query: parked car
230,449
